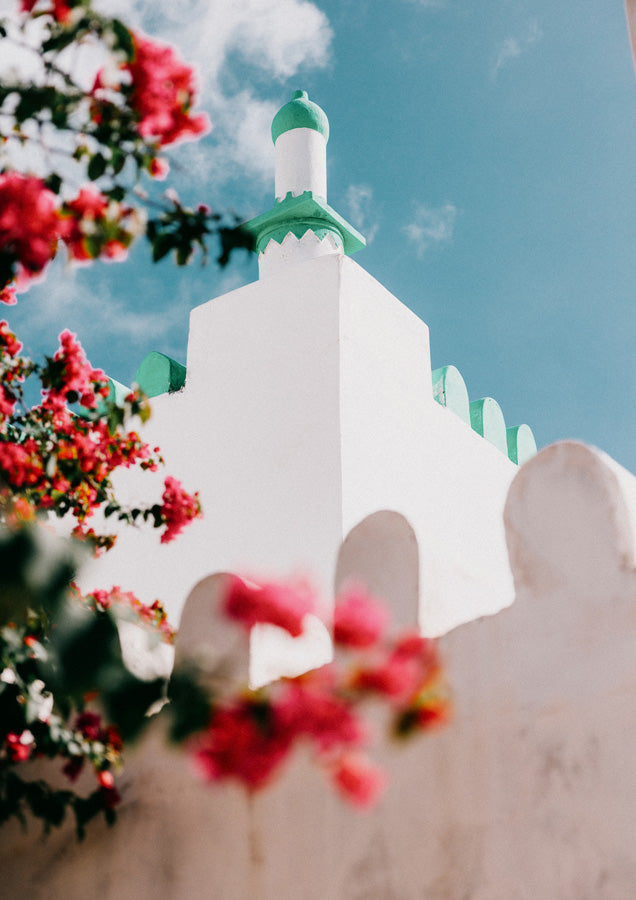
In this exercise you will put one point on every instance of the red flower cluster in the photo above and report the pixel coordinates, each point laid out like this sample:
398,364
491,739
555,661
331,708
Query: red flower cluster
73,380
12,369
32,222
28,222
19,746
92,226
7,295
60,10
163,93
284,605
59,460
249,739
359,620
178,509
154,615
88,726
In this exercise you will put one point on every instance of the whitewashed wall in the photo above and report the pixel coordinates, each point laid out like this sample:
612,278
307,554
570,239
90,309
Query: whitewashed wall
530,794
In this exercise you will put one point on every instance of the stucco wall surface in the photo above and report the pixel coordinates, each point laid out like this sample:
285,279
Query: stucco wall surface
529,794
308,406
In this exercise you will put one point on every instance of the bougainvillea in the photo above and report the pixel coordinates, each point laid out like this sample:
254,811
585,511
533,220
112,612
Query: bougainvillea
142,100
252,733
163,93
66,692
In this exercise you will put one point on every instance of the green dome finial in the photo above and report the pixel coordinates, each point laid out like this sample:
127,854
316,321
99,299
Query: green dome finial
300,112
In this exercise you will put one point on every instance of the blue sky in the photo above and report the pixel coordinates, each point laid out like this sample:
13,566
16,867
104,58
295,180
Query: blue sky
488,152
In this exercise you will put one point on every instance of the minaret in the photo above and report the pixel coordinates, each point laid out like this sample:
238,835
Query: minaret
300,225
320,440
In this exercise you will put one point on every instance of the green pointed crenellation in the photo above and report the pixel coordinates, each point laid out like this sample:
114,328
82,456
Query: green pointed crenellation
297,215
300,112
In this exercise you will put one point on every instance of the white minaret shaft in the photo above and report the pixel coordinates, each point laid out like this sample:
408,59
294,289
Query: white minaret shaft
301,226
301,163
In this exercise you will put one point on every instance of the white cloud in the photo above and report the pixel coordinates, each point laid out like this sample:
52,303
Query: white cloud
67,296
359,198
513,47
431,226
278,40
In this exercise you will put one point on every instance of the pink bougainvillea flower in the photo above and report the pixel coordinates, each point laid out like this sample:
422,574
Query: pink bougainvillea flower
29,221
75,379
60,10
90,725
319,714
284,605
404,670
159,168
20,746
433,713
360,620
115,251
93,226
7,295
177,509
246,741
106,779
358,780
163,93
73,768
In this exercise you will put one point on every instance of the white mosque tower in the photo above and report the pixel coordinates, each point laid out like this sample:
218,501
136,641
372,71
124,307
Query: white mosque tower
320,440
301,225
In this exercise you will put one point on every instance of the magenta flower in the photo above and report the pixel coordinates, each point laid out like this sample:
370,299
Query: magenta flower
359,619
284,605
360,782
178,508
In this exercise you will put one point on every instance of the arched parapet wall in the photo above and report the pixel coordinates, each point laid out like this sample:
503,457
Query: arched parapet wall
206,639
382,552
213,644
570,519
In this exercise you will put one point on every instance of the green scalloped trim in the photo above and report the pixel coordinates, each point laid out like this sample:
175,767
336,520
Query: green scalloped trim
450,391
521,443
159,374
487,419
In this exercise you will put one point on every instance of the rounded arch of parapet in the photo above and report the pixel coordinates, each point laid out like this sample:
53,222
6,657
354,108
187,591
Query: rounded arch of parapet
382,552
206,637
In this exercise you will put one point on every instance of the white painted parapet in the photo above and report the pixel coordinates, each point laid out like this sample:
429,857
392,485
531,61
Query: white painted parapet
528,794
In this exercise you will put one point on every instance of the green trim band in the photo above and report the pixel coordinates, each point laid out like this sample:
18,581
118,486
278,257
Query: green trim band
299,215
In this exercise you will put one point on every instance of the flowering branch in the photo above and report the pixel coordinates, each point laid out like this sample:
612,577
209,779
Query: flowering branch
141,101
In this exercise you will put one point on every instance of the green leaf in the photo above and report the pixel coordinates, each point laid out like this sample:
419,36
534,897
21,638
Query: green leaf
189,705
116,193
54,183
118,160
85,651
127,699
184,252
123,39
161,246
96,167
